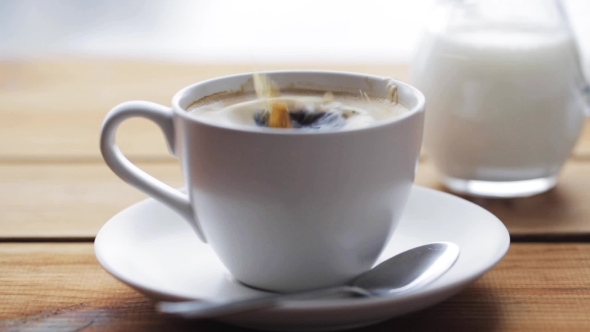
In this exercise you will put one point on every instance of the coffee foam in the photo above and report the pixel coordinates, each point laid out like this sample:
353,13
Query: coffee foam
239,109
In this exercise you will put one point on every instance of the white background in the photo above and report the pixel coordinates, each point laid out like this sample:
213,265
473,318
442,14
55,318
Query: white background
252,31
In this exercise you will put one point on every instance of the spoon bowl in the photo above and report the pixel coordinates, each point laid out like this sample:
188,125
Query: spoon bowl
410,269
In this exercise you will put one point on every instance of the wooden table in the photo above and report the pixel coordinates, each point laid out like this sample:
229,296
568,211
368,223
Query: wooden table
56,192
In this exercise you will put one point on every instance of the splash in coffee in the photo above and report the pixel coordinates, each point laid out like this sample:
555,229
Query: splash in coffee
296,109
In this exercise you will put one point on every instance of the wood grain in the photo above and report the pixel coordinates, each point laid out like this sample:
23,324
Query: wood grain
67,200
582,149
73,200
53,185
560,213
52,110
61,287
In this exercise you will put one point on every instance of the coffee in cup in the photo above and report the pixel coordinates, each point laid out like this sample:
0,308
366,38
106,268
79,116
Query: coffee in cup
304,109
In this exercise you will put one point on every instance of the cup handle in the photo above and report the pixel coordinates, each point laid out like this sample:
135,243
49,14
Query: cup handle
132,174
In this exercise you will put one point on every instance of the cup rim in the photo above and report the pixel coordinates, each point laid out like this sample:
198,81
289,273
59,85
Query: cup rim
182,113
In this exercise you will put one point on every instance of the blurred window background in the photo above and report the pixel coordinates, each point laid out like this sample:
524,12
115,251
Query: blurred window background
232,31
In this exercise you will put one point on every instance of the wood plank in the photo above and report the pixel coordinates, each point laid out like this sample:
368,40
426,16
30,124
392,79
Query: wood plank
559,213
61,287
74,200
67,200
582,149
53,110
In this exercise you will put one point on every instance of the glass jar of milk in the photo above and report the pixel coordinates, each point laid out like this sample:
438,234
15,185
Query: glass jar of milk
505,95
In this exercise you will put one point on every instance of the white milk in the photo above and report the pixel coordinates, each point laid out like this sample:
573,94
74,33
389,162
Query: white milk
501,105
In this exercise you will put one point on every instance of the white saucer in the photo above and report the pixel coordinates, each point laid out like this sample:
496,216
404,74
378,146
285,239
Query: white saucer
150,248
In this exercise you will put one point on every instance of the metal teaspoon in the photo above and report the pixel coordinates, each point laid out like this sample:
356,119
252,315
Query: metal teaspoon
404,272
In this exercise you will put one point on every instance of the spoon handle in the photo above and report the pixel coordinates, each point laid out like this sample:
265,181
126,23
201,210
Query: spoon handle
202,309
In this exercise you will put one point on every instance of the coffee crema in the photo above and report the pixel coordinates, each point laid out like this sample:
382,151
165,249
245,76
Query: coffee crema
306,109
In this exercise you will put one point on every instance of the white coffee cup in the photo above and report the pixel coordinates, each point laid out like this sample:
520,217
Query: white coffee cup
284,210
